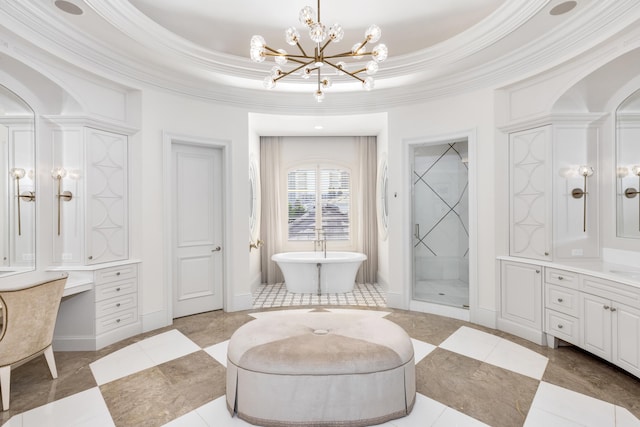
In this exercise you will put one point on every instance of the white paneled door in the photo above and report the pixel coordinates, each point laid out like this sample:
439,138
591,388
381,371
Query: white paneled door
197,229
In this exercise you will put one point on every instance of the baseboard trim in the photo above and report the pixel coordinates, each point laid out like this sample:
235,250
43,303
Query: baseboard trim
154,320
533,335
241,302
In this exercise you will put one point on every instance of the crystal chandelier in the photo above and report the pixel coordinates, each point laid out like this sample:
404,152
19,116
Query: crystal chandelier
320,62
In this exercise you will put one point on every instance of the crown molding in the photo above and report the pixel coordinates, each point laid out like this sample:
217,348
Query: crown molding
92,122
429,74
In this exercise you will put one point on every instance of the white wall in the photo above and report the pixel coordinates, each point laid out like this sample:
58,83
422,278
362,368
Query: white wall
164,112
470,112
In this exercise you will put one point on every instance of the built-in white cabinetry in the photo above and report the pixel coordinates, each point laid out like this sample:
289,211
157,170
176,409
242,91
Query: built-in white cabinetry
548,220
106,314
601,316
93,225
530,193
521,296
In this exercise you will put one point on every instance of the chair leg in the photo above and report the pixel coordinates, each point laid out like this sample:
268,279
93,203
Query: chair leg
48,355
5,389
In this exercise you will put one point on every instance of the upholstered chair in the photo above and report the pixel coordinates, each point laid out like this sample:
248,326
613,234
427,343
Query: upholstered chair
28,320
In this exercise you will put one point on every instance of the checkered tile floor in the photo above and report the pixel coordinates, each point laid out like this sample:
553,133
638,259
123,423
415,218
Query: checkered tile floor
471,378
364,294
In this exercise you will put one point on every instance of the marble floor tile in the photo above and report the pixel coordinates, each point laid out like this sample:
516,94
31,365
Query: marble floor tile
219,352
84,409
471,342
212,414
165,392
453,389
142,355
576,407
487,393
421,349
514,357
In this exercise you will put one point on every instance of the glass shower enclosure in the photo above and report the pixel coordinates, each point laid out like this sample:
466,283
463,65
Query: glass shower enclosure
440,182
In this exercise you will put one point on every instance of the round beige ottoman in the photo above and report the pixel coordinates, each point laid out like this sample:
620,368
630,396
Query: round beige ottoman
320,369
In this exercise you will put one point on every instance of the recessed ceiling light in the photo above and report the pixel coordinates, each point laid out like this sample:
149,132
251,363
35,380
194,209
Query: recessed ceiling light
67,6
563,8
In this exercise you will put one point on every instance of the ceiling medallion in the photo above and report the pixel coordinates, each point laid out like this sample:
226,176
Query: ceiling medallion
320,62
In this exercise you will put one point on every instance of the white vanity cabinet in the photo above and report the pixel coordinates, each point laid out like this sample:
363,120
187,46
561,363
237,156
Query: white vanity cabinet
598,315
104,315
521,300
93,226
611,327
562,305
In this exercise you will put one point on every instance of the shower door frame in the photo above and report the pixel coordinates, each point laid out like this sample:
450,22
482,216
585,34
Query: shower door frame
428,307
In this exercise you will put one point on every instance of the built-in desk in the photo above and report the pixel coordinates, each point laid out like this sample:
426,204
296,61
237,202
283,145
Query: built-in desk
592,304
99,306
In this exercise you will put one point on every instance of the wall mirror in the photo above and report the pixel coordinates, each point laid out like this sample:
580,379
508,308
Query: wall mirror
383,198
254,200
628,167
17,169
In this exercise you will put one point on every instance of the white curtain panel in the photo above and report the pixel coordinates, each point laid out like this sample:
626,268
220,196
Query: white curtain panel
368,225
271,215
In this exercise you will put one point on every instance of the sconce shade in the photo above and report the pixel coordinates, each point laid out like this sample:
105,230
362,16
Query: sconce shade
585,170
57,173
17,173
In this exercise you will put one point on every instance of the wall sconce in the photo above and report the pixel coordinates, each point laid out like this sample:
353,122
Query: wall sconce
255,245
58,174
29,196
578,193
631,192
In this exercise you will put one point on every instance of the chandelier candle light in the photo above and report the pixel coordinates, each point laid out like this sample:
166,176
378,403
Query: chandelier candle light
307,64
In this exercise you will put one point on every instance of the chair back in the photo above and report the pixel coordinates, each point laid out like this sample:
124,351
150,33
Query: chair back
29,319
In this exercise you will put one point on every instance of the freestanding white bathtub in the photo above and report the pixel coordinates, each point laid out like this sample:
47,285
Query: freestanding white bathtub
337,271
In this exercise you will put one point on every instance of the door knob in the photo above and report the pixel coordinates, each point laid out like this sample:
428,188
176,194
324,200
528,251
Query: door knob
217,249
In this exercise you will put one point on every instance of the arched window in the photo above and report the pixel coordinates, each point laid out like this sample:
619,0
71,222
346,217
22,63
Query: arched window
325,186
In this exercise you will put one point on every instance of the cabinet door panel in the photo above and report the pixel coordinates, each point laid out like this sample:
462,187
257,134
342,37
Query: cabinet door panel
626,350
530,193
522,294
596,325
106,231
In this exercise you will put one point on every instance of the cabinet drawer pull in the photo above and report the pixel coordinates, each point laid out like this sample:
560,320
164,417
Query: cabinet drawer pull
117,289
606,307
560,326
613,309
118,273
537,271
560,300
90,257
546,254
560,278
118,305
117,320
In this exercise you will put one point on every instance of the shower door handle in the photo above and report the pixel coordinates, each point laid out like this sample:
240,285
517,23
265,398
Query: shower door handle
417,231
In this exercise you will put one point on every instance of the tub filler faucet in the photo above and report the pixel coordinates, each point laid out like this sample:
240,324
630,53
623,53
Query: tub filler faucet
320,242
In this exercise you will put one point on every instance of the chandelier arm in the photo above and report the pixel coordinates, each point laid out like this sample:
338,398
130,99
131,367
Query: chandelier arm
272,50
325,45
348,55
345,71
292,71
301,49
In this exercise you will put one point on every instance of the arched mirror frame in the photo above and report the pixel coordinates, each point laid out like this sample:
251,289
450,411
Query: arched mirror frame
628,167
18,194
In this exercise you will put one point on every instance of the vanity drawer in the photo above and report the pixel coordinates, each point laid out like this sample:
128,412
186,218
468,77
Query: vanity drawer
122,272
115,289
561,277
115,321
562,299
615,291
114,305
561,326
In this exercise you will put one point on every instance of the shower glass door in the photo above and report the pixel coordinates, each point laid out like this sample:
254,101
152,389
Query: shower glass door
441,223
